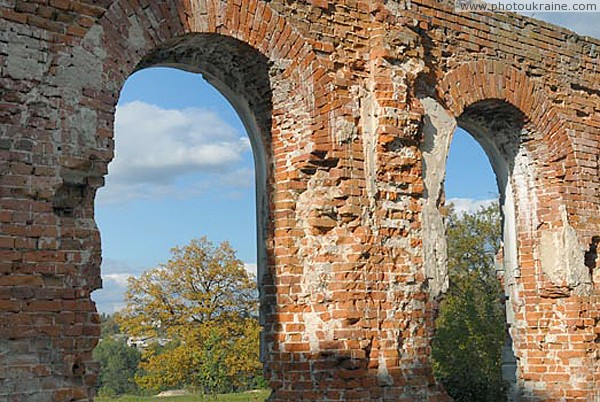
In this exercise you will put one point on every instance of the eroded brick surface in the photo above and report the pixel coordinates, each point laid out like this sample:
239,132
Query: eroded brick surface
351,105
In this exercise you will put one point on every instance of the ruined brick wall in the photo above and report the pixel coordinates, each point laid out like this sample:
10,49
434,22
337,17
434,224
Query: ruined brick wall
350,107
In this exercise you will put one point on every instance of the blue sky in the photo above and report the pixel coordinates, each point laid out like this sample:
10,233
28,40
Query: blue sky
183,168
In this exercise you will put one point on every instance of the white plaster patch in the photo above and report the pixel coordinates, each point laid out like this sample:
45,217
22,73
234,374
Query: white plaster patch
383,375
562,257
84,124
314,325
344,130
524,181
437,132
93,40
369,115
136,38
27,57
83,67
315,280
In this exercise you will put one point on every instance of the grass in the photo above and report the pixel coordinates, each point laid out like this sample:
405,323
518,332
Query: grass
251,396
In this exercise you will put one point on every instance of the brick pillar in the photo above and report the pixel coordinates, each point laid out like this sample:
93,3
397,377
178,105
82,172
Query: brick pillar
354,314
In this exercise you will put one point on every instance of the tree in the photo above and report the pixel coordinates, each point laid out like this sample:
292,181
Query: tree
204,303
470,329
108,326
118,365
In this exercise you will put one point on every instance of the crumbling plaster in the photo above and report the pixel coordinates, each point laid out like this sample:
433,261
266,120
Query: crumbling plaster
349,107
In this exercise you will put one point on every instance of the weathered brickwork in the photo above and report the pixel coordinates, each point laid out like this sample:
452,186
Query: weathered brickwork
350,106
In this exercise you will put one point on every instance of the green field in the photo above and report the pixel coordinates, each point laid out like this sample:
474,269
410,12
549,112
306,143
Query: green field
251,396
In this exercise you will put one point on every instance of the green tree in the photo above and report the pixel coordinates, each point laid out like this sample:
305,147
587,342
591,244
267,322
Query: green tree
203,302
108,326
470,329
118,365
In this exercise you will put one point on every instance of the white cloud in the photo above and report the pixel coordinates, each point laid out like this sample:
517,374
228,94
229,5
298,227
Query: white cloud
109,299
156,149
462,205
241,177
120,279
114,193
251,268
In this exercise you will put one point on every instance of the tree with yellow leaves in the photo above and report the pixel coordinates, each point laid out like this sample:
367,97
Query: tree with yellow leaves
198,311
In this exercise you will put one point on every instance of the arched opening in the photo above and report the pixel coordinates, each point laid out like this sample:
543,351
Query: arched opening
241,75
500,129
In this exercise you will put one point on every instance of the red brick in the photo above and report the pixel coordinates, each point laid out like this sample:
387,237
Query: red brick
346,232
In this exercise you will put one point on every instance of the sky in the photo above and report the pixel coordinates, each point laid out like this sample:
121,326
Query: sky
184,168
582,23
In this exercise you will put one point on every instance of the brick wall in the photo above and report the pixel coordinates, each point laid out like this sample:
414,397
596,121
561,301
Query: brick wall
337,96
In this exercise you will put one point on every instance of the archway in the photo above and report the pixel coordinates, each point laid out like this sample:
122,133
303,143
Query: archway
500,130
241,75
544,258
272,82
183,169
471,326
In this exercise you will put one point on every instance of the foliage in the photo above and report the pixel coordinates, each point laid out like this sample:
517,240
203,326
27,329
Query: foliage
108,326
470,329
252,396
204,304
118,364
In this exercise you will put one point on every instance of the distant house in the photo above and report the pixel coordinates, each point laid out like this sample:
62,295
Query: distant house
139,342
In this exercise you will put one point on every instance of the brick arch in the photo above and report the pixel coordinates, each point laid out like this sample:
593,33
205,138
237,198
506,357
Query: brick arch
550,149
131,34
469,89
482,80
348,244
282,58
128,33
255,24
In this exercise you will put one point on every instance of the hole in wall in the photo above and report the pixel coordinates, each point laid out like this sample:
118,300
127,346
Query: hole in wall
181,171
67,199
591,255
78,369
470,338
